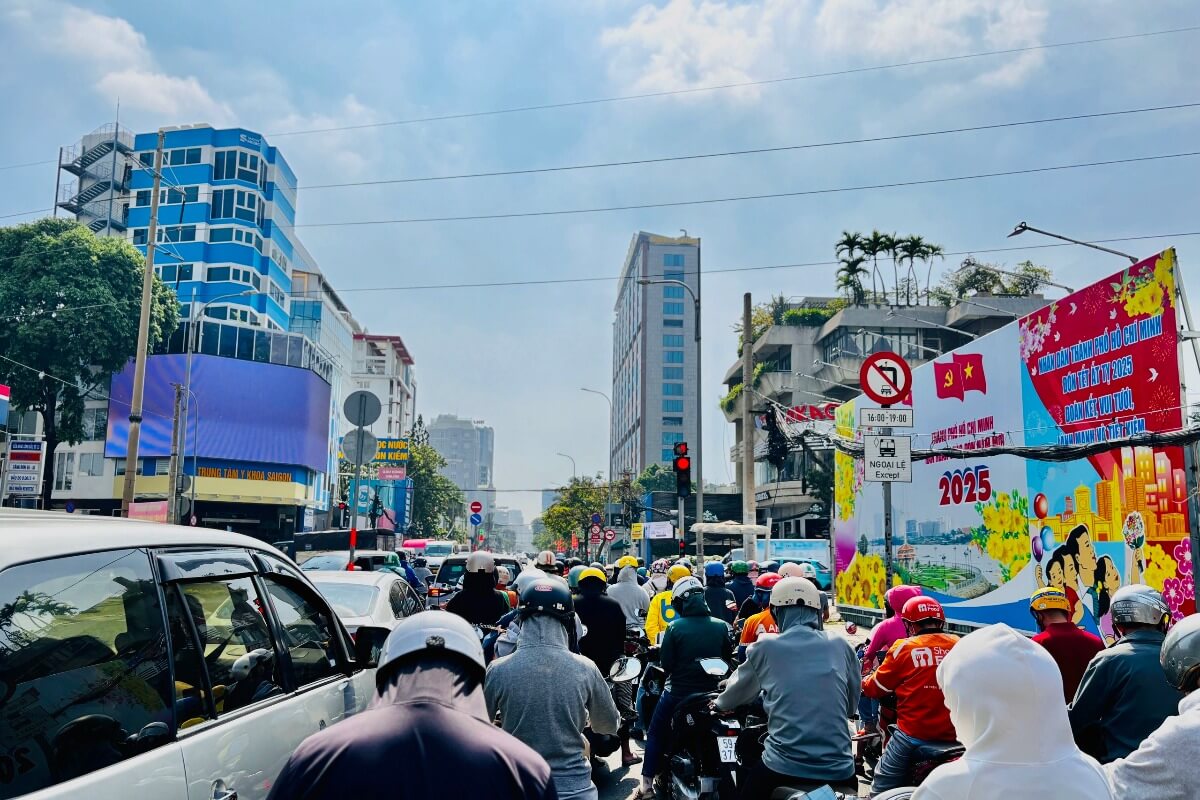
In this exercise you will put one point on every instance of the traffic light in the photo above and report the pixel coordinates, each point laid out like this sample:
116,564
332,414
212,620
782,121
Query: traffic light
343,515
683,470
682,547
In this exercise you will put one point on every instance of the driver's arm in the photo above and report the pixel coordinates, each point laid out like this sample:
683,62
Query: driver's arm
889,675
742,688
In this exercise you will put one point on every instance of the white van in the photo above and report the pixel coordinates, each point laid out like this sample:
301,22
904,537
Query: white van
148,660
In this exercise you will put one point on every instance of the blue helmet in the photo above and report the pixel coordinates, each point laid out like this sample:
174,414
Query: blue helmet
714,569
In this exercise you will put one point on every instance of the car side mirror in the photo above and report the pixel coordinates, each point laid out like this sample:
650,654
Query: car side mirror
368,645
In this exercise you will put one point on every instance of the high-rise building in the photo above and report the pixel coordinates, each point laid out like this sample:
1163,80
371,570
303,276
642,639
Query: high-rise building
655,355
468,447
383,366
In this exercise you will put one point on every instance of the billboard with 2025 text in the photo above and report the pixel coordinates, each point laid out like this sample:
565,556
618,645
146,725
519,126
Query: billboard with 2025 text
982,534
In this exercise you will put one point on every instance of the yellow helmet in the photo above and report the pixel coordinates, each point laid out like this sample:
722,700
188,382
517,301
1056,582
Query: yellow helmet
1049,599
591,572
626,561
678,572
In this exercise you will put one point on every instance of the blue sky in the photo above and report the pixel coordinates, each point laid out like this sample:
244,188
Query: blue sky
517,356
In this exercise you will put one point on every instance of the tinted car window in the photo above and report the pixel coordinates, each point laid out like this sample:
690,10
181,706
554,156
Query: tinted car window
84,676
451,571
307,631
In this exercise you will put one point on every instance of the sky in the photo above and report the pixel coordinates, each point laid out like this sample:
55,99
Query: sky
517,356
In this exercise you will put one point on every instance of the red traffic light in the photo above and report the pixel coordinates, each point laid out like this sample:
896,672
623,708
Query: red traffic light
683,464
481,537
680,449
682,546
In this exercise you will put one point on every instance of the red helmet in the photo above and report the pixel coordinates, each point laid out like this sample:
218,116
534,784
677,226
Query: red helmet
767,580
922,609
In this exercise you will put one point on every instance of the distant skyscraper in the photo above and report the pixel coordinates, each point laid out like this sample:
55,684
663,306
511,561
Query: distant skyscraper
468,447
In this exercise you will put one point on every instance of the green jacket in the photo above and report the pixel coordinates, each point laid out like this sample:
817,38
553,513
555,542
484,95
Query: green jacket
692,636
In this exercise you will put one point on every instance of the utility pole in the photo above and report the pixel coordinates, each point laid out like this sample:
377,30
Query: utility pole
143,339
173,470
749,511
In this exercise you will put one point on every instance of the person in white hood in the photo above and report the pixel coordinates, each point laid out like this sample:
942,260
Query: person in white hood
1004,694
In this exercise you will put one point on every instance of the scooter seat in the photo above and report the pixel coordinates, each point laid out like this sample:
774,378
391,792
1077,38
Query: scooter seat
796,790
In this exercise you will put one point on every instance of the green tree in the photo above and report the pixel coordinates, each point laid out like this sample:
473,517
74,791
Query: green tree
70,302
569,514
849,277
876,245
1030,277
818,482
419,433
657,478
976,277
436,500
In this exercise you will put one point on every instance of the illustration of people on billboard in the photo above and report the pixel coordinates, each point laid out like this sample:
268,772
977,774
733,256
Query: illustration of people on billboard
981,534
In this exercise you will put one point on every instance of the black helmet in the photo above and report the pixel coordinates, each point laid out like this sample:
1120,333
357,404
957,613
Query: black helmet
574,562
549,596
419,561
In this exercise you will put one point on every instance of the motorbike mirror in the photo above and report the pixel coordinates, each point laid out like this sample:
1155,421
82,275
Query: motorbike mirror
368,644
625,669
715,667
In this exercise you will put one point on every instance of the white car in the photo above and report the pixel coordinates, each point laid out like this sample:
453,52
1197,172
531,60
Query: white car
148,660
367,598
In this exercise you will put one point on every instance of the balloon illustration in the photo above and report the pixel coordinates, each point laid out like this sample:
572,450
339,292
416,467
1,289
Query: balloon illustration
1035,543
1047,539
1041,506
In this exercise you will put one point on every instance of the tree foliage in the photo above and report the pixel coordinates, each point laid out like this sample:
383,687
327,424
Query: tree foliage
70,302
974,277
854,249
436,500
656,478
572,511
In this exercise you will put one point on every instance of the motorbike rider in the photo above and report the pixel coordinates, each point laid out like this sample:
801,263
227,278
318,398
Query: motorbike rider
909,672
757,601
883,636
807,735
643,575
625,590
662,609
1163,767
410,574
1124,695
721,602
430,700
803,569
545,695
546,562
1070,647
604,643
503,580
740,584
693,635
754,569
510,623
479,602
658,577
762,622
1002,692
573,578
423,572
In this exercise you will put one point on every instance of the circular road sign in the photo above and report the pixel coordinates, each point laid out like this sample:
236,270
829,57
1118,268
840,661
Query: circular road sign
359,445
476,519
596,518
193,520
609,535
476,506
595,530
886,378
362,408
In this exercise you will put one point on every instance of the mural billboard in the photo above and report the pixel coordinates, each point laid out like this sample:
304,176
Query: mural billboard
982,534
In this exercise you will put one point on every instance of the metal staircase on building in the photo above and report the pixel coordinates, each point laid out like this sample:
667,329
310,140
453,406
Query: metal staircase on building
100,171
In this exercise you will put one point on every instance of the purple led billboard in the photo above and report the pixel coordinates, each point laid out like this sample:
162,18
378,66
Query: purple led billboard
249,411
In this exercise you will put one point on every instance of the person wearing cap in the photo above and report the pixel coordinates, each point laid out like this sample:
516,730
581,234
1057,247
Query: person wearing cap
662,610
1070,647
692,636
739,582
479,602
721,602
658,578
1124,696
430,700
625,590
604,643
761,622
545,695
1163,767
809,682
757,601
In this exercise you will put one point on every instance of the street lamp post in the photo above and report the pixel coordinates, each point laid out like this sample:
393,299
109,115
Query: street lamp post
699,413
574,472
608,483
1021,227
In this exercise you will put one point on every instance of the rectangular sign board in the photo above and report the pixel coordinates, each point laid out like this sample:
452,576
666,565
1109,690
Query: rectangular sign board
888,458
24,468
635,531
659,530
885,417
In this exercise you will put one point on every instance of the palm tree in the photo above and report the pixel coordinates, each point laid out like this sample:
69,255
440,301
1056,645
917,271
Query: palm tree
876,244
850,245
930,252
910,248
849,277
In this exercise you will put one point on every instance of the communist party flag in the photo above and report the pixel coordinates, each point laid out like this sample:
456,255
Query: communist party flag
948,379
970,367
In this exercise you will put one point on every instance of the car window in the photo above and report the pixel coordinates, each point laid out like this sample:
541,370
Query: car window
243,666
348,599
438,550
308,633
451,571
396,600
84,678
412,601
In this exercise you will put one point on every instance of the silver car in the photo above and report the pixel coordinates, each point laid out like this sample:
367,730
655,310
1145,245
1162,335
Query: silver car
367,598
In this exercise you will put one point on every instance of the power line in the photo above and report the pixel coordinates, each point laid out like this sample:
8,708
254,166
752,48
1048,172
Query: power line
743,198
750,151
25,213
739,85
28,164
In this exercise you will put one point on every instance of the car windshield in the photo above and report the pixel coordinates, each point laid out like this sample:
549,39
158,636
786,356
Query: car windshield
451,571
325,562
348,599
439,550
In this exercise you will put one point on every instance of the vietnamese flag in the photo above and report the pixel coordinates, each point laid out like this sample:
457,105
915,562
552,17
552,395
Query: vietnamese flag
970,367
5,396
948,379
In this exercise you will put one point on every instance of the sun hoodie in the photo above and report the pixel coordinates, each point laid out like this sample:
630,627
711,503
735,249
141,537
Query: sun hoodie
886,633
1005,698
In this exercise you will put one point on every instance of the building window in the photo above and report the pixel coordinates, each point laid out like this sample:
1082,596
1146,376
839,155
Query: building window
220,235
177,158
672,259
672,388
221,205
673,308
91,464
672,405
176,233
672,422
64,470
672,373
139,236
171,273
672,438
672,275
672,340
185,194
95,424
672,323
246,206
668,455
673,291
673,356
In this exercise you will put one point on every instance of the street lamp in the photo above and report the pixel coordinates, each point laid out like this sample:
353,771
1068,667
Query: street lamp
875,335
699,407
971,302
925,322
574,472
1022,227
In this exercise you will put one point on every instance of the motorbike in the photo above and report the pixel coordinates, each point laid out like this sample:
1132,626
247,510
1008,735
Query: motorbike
602,745
703,759
652,682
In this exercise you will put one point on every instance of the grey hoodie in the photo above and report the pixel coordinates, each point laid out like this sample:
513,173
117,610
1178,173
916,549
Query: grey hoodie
545,695
810,682
632,597
1163,768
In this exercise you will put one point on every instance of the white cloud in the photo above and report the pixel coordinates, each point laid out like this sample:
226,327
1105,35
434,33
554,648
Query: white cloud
106,41
159,93
693,43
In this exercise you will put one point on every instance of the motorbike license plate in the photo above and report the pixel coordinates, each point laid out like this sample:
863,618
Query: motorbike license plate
727,747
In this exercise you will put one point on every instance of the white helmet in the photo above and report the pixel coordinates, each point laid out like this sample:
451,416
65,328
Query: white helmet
481,561
437,631
502,571
684,587
524,577
795,592
544,559
798,569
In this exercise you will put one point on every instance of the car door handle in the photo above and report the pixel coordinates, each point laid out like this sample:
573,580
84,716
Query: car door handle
220,792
